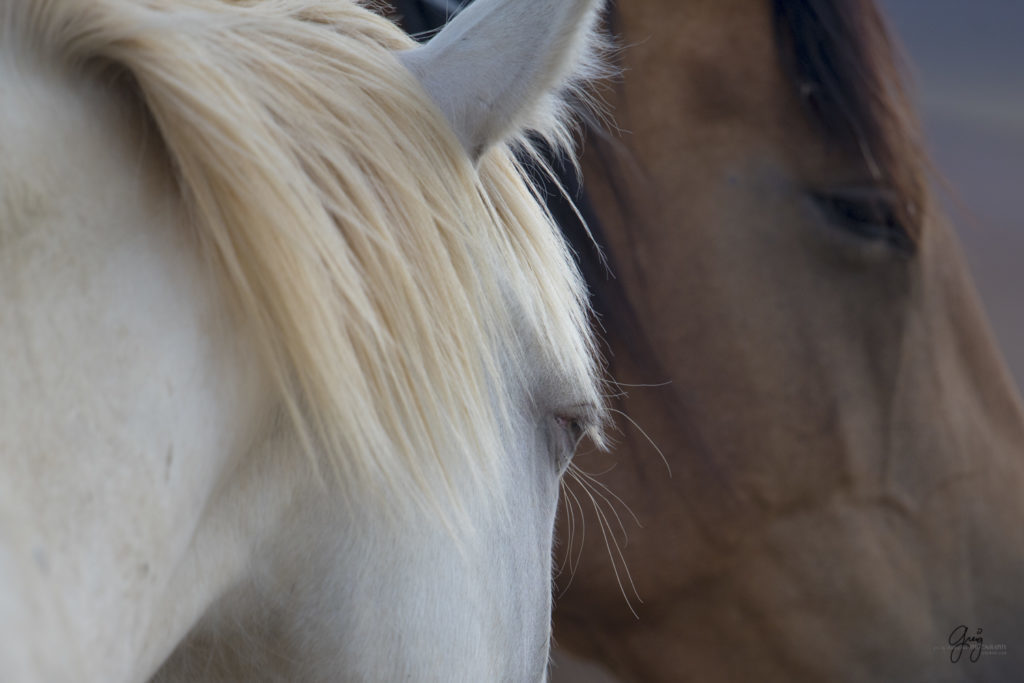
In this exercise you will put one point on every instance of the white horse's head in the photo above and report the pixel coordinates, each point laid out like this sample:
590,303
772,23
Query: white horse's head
292,357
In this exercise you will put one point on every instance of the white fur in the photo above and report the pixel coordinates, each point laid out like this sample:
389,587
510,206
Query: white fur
493,69
122,400
157,513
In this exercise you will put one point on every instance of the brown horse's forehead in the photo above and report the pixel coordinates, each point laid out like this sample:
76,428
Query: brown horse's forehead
721,66
724,95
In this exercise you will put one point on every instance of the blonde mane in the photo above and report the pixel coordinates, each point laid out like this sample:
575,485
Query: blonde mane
379,268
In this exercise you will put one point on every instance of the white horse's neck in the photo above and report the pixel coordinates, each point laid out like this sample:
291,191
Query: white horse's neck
118,530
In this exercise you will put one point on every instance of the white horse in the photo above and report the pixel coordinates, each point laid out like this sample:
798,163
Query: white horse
292,358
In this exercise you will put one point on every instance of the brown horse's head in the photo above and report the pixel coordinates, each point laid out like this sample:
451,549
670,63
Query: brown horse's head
844,439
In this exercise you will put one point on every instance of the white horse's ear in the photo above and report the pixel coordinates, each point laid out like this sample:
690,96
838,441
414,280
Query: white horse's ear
492,69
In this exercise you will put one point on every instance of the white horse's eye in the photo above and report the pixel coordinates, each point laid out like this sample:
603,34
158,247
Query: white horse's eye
567,429
573,423
573,427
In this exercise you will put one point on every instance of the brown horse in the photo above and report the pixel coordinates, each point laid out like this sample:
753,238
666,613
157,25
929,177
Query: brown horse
846,498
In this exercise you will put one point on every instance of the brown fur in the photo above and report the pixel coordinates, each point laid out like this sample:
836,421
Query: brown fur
843,436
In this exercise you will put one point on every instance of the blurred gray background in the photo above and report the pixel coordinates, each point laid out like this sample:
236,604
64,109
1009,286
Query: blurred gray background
966,63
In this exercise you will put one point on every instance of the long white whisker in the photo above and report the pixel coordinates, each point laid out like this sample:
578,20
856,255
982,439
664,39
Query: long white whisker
646,436
571,524
569,555
603,499
591,478
639,386
614,556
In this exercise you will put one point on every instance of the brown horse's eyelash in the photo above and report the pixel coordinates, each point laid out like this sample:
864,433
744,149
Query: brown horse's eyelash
867,212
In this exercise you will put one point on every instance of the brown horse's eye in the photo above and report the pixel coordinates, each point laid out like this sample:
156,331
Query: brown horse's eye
868,213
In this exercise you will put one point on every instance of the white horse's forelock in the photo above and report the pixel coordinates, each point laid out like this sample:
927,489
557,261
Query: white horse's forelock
380,269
